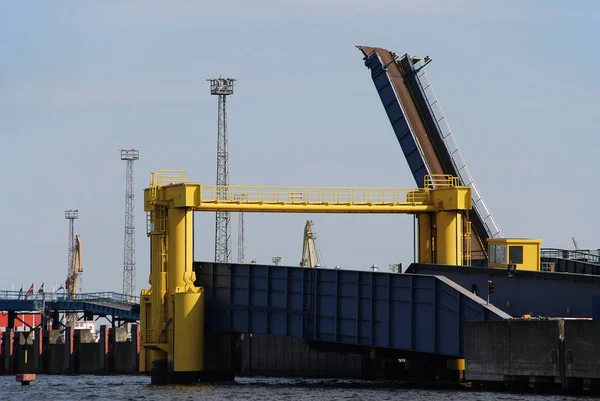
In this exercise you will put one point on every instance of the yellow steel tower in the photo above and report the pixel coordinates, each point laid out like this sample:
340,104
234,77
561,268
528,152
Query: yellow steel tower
172,310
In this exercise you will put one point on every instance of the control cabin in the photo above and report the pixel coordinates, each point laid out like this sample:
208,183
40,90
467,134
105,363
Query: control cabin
523,253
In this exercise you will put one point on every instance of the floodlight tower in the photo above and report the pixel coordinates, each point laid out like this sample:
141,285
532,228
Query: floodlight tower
241,245
222,87
71,215
129,155
241,248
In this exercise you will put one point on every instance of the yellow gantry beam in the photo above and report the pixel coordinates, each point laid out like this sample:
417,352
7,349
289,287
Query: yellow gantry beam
211,198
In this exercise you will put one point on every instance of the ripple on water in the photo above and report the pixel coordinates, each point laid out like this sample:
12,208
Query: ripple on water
85,387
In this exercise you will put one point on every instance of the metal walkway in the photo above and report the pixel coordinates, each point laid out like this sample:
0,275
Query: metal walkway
571,261
120,306
400,312
422,128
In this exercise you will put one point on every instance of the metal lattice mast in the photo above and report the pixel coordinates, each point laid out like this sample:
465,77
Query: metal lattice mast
222,87
71,215
129,155
241,245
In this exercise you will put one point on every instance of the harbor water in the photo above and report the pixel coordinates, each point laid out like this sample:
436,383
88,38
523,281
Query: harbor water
86,387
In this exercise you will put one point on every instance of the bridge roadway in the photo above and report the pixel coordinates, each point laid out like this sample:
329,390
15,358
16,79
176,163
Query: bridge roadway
393,312
387,312
119,306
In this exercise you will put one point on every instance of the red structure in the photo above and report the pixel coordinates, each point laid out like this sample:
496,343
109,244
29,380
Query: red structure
21,320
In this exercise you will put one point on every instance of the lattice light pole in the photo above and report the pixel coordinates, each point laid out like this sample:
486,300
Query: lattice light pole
222,87
71,215
241,244
129,155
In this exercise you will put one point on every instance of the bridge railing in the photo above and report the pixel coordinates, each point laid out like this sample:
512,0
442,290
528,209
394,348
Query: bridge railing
108,296
311,195
589,256
15,296
93,297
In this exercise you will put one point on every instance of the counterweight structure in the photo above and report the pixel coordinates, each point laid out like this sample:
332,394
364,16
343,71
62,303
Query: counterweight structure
129,155
222,87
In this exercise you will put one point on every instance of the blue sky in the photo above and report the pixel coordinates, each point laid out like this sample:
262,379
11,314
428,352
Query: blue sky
79,80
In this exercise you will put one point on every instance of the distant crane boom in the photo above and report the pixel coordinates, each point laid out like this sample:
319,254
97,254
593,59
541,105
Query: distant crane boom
575,243
76,268
310,253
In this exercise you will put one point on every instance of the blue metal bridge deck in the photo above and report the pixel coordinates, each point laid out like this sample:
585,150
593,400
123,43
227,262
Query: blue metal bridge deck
399,312
120,306
424,135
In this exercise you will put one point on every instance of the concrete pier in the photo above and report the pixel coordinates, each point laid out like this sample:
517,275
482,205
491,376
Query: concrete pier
548,353
581,353
70,352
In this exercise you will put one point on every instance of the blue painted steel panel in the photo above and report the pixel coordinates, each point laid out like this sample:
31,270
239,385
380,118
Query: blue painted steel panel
596,307
394,311
131,314
394,111
541,293
564,265
16,305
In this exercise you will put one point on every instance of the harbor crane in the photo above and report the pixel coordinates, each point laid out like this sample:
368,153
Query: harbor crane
311,256
75,269
72,277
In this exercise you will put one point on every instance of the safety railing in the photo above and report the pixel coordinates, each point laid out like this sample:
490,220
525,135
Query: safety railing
155,225
147,337
149,223
478,257
16,296
109,296
95,297
433,181
467,244
166,177
458,161
311,195
589,256
548,266
151,336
